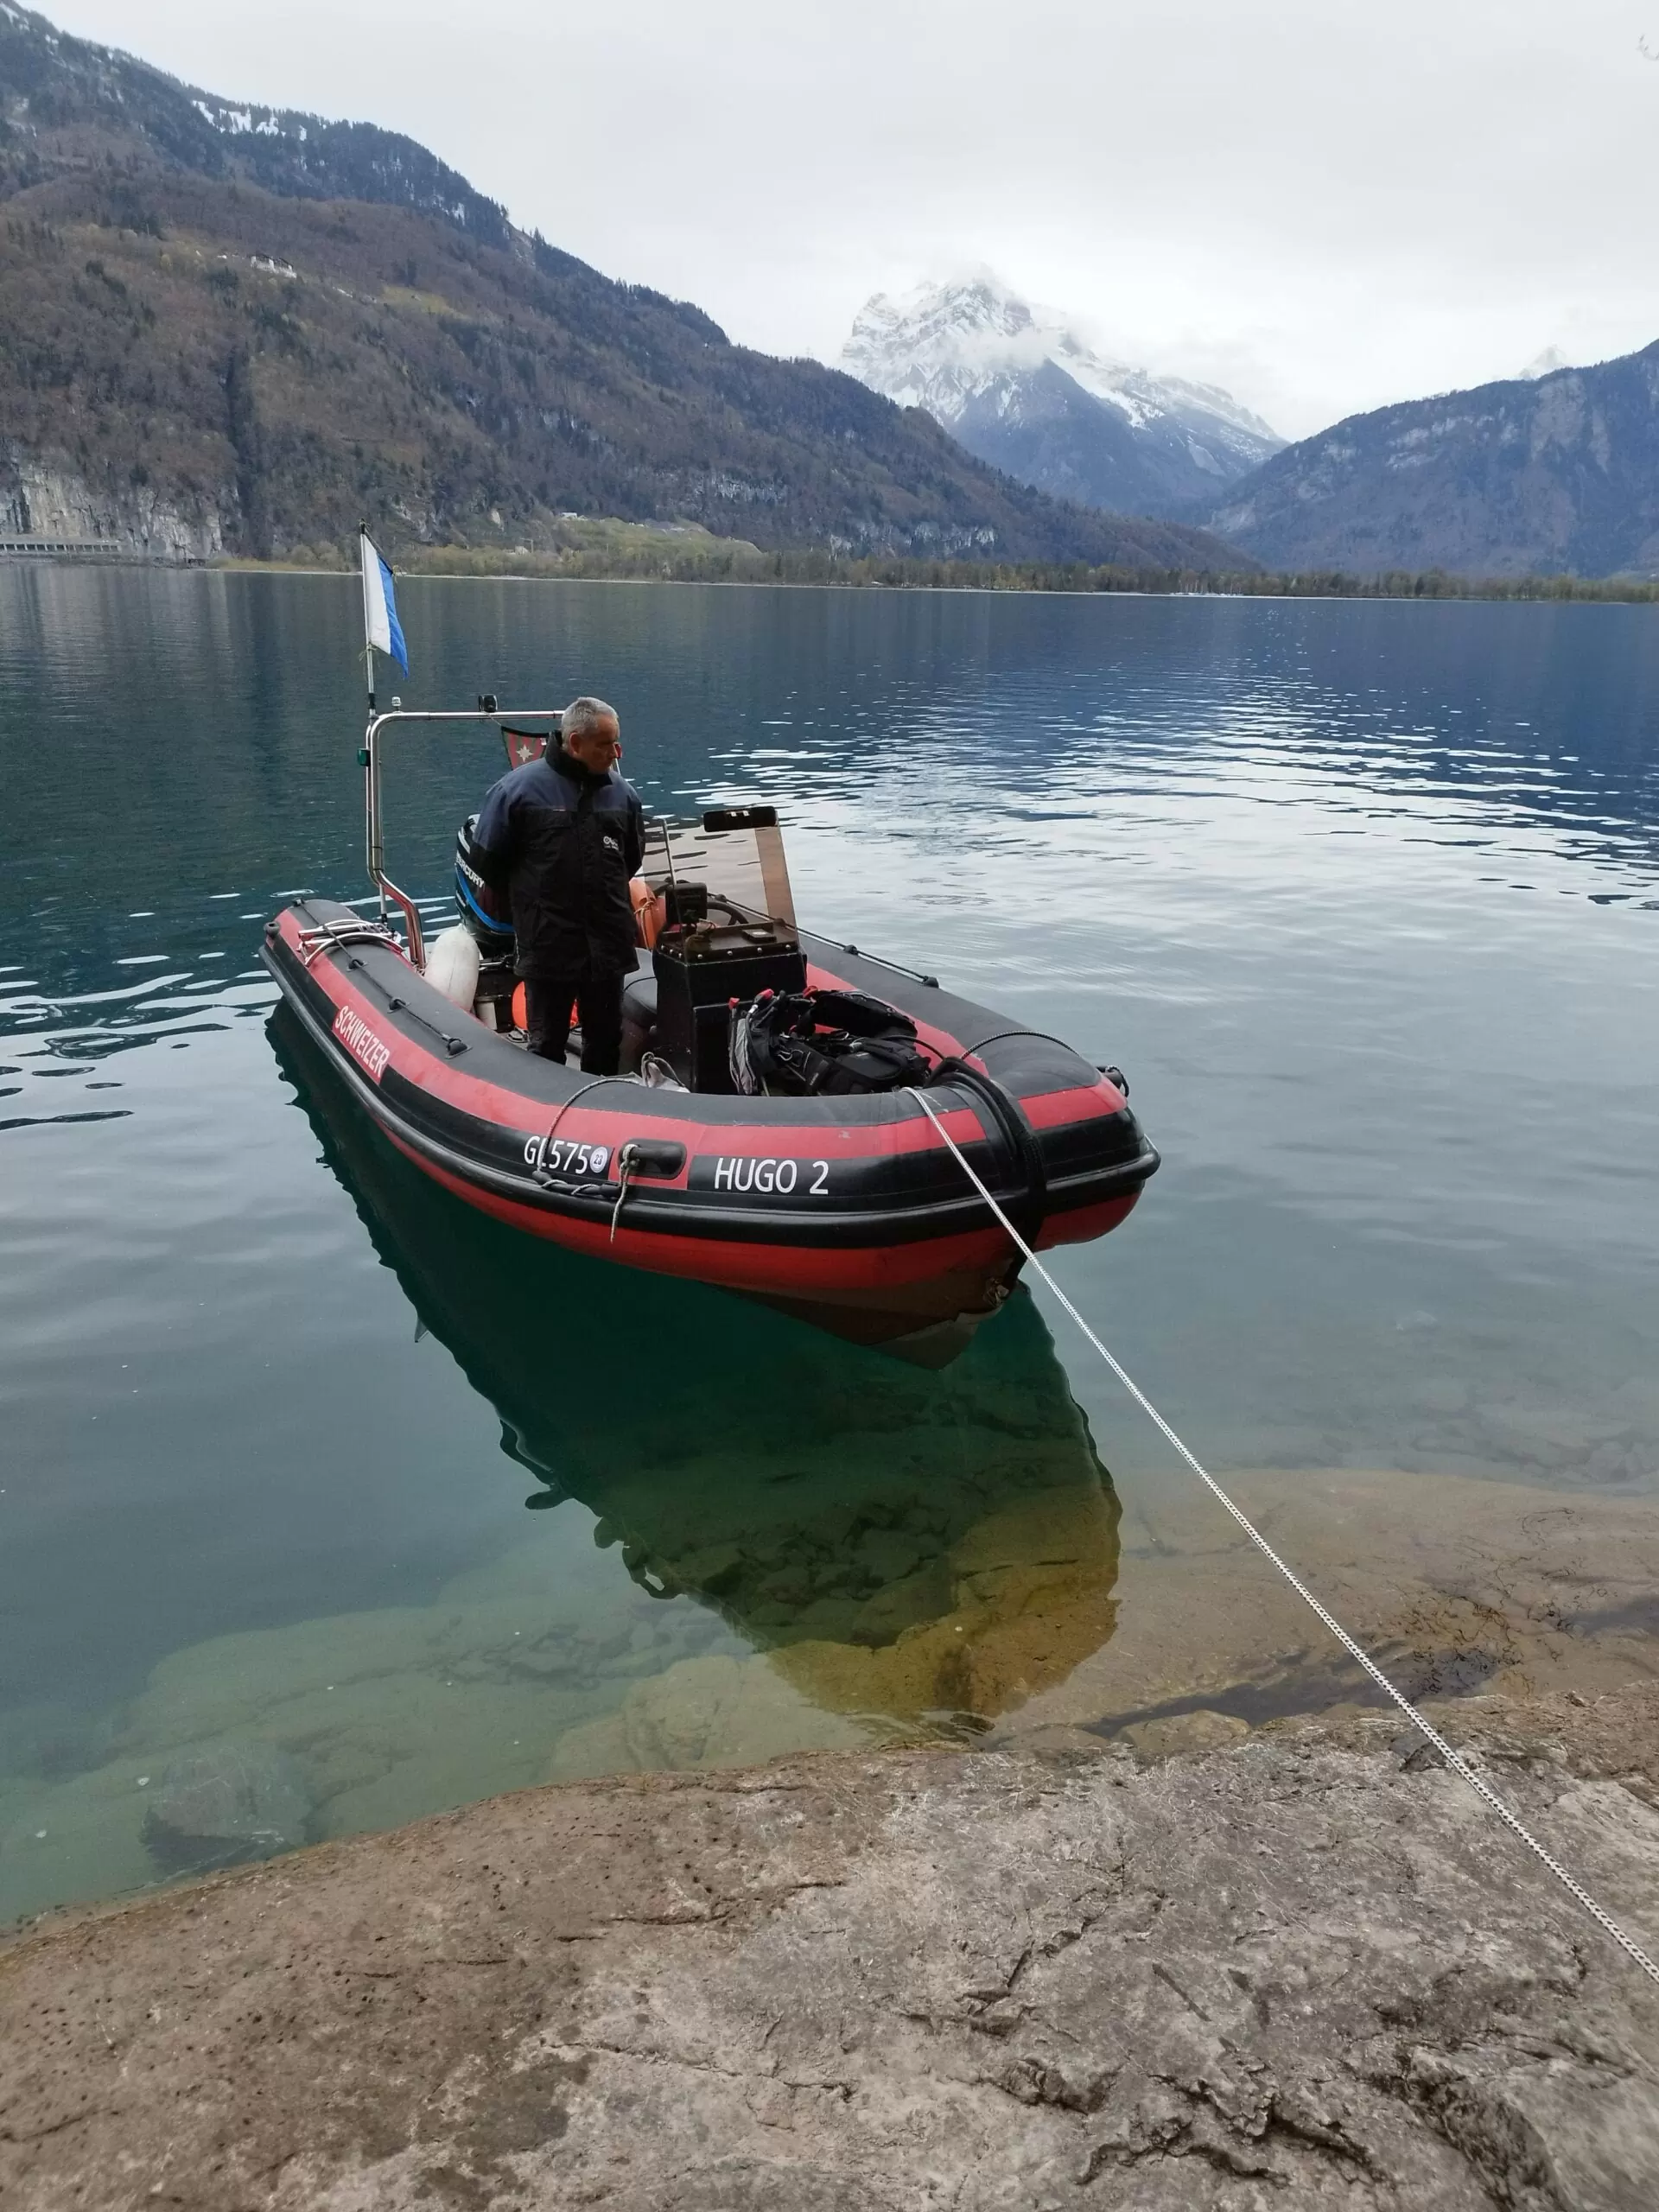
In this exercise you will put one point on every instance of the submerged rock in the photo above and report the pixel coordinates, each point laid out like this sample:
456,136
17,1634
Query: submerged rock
704,1712
224,1805
1203,1730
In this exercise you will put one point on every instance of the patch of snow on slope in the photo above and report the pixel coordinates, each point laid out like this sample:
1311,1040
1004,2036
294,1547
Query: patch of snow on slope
240,122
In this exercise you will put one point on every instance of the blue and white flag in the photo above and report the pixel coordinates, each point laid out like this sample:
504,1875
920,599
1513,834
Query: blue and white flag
380,625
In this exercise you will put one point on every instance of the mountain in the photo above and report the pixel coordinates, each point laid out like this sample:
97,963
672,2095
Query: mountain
1553,474
1544,364
230,327
65,103
1029,396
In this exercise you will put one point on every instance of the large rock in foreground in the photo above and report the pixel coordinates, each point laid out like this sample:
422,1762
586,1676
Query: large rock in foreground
1303,1971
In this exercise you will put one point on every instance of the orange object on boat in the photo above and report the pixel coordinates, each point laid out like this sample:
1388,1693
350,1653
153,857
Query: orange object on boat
650,914
521,1009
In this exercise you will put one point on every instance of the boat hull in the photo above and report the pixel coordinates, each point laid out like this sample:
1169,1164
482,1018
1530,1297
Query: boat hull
849,1211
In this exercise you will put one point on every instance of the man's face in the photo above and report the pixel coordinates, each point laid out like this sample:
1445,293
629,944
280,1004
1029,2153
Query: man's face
597,749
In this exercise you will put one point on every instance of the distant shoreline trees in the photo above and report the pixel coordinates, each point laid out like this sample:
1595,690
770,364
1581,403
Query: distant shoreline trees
700,560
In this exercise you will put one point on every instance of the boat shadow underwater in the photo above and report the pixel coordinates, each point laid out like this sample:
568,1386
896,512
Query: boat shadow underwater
917,1551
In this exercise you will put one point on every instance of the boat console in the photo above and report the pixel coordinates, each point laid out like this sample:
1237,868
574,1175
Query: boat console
704,974
730,934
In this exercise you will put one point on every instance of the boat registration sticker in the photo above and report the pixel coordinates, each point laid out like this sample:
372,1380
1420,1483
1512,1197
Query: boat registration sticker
371,1052
564,1156
781,1177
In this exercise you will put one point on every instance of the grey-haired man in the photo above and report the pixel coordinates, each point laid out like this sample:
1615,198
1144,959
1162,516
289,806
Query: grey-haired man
562,837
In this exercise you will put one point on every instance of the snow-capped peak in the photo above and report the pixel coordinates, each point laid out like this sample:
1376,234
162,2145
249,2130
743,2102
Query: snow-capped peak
940,345
945,344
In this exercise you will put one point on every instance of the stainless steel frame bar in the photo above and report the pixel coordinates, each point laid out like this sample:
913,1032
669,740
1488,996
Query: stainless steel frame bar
374,838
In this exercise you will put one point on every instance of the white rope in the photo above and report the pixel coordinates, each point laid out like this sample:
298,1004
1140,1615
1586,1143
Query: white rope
1482,1788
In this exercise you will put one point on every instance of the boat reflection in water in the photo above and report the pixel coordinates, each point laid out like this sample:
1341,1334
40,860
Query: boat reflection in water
913,1552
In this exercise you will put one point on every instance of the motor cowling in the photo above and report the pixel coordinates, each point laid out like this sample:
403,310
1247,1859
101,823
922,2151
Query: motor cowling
484,911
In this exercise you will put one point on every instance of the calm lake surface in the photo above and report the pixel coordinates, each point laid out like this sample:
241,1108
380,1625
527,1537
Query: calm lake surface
307,1476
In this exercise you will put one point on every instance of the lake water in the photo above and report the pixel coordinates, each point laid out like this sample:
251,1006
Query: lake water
307,1474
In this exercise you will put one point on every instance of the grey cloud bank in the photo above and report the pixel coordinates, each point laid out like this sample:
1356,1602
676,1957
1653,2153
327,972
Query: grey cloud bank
1320,207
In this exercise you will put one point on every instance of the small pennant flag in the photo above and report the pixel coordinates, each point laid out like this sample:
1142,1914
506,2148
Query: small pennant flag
380,625
524,746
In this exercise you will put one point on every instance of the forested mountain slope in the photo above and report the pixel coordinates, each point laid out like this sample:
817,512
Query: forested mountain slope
230,327
1551,475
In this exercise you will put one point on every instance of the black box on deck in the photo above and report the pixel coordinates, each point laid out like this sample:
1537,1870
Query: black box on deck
699,973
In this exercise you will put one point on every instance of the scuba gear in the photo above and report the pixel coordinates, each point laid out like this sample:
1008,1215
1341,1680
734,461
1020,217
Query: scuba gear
823,1044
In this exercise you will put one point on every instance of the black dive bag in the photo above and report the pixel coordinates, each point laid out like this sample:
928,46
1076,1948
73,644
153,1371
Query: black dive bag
823,1044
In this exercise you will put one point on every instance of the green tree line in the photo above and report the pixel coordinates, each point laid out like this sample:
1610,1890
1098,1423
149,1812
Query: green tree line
701,560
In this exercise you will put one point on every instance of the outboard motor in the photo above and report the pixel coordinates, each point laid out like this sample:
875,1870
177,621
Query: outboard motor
483,913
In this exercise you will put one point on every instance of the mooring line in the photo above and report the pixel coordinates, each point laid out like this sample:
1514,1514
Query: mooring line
1459,1766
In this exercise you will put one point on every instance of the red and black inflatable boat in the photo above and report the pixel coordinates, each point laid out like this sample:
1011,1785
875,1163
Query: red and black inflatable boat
842,1204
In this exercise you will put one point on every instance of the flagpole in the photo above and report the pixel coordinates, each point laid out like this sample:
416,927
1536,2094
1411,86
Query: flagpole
371,771
368,648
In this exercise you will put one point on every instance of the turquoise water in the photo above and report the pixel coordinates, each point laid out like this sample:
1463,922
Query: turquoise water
1362,897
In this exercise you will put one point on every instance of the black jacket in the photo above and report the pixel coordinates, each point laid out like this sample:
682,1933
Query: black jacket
562,842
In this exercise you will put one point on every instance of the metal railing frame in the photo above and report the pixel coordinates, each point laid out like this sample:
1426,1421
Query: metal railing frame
374,828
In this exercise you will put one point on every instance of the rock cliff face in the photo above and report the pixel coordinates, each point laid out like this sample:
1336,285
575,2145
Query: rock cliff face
1029,396
38,499
1552,472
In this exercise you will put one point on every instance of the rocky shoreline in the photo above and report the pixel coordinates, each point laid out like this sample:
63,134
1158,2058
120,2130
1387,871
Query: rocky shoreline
898,1613
1302,1969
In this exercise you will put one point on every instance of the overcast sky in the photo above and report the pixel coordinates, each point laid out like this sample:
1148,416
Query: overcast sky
1321,203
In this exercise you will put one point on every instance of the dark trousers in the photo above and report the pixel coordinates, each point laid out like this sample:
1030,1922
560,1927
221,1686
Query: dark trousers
598,1001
